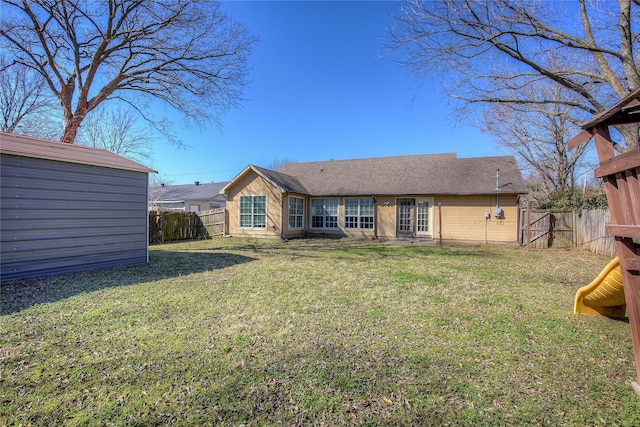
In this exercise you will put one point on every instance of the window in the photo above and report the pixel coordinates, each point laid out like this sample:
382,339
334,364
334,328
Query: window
358,213
253,211
324,213
296,212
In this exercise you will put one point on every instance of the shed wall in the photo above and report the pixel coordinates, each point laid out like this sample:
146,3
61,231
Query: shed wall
59,217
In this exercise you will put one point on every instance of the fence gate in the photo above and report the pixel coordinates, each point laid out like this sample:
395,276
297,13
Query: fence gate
212,223
547,229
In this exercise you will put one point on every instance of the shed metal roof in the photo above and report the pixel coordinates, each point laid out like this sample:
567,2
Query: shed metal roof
26,146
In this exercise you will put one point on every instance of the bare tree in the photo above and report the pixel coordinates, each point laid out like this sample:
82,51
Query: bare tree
186,53
277,163
537,134
489,51
116,131
26,105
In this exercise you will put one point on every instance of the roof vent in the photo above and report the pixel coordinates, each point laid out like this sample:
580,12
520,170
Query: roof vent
162,184
197,182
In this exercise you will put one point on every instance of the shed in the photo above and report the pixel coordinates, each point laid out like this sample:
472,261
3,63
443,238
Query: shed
67,208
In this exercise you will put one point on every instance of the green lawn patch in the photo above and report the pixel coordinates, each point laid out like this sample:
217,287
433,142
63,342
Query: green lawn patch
316,332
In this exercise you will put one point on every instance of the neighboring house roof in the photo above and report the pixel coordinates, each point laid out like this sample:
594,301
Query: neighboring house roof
20,145
421,174
185,193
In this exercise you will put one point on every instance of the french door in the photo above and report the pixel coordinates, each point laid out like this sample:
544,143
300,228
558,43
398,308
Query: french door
414,217
405,217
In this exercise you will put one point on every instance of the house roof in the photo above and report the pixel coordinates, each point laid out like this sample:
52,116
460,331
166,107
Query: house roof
26,146
420,174
283,182
287,183
184,193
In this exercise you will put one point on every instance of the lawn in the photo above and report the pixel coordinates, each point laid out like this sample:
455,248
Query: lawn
316,332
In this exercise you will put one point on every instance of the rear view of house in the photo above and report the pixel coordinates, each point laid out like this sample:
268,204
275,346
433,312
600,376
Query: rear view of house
67,208
422,196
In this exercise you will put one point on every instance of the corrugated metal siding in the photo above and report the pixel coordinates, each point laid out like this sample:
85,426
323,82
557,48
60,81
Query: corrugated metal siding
59,217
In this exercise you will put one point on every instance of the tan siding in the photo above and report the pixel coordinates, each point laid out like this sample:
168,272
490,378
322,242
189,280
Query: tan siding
463,218
386,216
252,184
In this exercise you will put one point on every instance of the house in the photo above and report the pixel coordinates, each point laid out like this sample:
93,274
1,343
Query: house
190,198
68,208
422,196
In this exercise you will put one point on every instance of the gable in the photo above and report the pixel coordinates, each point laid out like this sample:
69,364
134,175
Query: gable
249,182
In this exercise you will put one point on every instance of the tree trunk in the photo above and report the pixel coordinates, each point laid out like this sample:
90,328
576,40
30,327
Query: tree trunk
630,134
70,130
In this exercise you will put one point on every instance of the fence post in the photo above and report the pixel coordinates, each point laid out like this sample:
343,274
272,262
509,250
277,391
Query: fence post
574,235
528,227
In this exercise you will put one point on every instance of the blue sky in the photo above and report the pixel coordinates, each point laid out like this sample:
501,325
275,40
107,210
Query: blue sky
319,90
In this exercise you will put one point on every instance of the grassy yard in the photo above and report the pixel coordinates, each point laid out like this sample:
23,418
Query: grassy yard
316,332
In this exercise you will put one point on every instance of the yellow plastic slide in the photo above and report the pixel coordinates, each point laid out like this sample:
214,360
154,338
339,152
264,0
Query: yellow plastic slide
604,295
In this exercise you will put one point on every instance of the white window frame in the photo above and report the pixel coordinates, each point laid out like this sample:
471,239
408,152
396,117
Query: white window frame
295,216
314,204
359,223
253,214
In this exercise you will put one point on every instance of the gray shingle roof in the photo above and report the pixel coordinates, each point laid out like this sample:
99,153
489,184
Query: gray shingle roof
188,192
286,182
420,174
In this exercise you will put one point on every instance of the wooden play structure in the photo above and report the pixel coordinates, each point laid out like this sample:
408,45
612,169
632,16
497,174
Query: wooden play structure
620,175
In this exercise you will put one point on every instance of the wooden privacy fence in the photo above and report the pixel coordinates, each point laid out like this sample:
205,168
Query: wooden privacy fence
585,229
212,222
166,226
591,232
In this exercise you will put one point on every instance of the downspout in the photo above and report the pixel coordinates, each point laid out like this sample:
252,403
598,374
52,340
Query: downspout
282,196
147,193
375,218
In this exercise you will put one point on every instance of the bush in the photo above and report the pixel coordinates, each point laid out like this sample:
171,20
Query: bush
575,199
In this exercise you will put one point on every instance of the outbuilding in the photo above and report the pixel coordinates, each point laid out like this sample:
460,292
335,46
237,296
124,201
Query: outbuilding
68,208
